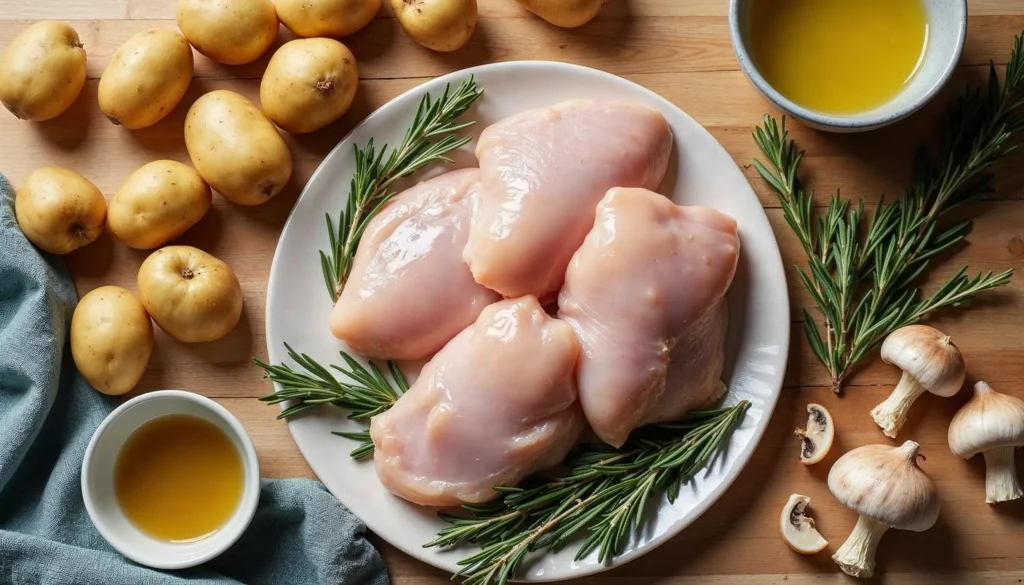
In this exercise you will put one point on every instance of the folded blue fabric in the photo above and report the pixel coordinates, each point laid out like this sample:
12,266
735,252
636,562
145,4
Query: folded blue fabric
300,535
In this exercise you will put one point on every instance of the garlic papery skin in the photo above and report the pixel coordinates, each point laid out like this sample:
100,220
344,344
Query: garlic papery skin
885,486
991,423
1001,483
930,362
857,555
892,413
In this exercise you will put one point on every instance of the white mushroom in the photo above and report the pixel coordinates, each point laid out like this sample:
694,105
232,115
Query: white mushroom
886,487
930,362
991,423
798,528
816,439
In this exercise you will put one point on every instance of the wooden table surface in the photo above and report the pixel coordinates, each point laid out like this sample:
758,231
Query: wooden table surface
680,49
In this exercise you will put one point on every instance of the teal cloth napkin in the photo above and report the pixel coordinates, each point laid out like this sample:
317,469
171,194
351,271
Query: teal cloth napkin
300,535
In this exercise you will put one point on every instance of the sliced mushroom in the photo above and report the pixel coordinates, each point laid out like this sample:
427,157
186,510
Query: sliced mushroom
798,528
816,439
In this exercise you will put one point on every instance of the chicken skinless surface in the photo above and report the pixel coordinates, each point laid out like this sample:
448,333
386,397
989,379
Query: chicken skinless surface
495,405
409,291
651,275
542,172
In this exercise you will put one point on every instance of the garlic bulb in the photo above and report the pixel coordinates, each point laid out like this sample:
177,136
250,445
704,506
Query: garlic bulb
991,423
886,487
930,363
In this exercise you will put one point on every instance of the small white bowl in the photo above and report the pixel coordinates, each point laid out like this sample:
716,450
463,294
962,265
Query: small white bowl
947,29
98,480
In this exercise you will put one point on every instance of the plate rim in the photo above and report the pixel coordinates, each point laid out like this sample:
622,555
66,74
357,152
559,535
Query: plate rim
715,493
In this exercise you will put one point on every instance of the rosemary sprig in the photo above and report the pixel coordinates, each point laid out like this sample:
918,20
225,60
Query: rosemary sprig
863,272
365,391
428,140
604,491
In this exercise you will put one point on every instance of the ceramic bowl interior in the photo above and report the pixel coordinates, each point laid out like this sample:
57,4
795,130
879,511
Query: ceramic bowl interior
947,28
98,480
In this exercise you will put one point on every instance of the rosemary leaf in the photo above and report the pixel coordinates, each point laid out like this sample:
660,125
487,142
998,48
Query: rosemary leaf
365,391
428,140
863,273
603,492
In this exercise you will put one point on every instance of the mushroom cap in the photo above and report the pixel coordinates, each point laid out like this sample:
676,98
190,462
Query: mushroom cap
885,484
989,420
927,355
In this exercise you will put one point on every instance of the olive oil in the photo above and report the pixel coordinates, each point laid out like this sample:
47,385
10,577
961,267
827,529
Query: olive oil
837,57
178,478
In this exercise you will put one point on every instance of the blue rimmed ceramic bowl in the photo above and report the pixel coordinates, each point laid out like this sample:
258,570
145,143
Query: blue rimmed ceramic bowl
947,29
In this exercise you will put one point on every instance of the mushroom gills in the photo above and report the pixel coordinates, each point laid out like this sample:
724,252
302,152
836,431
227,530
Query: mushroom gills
816,439
798,528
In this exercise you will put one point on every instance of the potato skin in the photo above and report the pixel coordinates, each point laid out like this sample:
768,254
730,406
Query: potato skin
236,149
439,25
193,296
308,84
146,78
326,18
565,13
59,210
232,32
157,203
111,339
42,71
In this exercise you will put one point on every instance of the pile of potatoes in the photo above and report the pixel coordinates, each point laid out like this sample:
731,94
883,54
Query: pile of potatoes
233,144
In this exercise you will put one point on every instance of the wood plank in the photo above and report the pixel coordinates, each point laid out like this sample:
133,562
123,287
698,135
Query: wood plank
164,9
970,537
667,44
863,166
107,154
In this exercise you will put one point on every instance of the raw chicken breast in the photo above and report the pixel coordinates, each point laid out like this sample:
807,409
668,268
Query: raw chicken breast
542,173
409,291
651,276
493,406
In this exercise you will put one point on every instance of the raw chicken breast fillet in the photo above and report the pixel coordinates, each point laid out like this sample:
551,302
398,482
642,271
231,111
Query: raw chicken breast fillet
409,291
542,173
493,406
651,276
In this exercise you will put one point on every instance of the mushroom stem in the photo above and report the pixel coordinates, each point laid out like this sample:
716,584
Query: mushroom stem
857,555
1001,484
892,413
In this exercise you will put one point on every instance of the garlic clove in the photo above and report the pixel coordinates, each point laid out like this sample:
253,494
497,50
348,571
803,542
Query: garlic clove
816,439
930,363
798,528
991,423
885,486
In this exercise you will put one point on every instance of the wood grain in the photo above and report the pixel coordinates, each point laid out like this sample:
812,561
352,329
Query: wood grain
681,50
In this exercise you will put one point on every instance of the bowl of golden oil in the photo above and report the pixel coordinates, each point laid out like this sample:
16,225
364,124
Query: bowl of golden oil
848,65
170,479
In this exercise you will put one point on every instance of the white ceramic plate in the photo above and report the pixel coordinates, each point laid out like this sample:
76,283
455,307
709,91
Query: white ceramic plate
702,173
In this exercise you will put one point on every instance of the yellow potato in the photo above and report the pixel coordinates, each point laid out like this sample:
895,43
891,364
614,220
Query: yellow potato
232,32
236,149
308,84
191,295
147,76
42,71
59,210
111,339
157,203
326,18
565,13
440,25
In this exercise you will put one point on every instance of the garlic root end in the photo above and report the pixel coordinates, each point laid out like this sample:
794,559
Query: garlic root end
857,555
1001,483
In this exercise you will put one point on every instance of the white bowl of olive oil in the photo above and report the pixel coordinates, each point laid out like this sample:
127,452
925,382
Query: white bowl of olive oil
848,65
170,479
